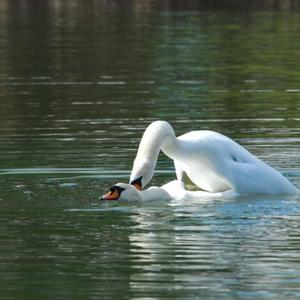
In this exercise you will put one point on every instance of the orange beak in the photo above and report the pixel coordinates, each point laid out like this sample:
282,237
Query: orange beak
137,183
112,195
138,186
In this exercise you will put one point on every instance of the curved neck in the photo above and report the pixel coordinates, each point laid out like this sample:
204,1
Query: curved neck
158,135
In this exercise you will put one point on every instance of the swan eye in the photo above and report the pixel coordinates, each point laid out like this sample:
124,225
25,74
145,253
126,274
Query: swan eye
113,194
117,189
137,183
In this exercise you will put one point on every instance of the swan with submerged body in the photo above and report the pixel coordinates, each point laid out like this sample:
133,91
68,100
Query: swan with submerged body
172,190
125,191
213,162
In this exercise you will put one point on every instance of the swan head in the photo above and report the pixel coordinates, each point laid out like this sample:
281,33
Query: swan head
141,174
122,191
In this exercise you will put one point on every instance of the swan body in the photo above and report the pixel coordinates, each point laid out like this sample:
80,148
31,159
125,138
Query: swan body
213,162
172,190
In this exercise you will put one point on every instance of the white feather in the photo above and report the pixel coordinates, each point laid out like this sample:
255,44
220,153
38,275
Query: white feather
213,162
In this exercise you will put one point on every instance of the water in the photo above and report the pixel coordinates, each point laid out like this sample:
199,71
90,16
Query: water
79,82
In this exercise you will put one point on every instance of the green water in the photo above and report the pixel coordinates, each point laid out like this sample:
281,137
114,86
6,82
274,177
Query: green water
79,82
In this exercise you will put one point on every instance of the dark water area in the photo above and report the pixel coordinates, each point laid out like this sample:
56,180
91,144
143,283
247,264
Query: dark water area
79,82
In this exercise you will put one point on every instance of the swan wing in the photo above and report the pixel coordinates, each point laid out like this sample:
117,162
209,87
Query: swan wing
216,163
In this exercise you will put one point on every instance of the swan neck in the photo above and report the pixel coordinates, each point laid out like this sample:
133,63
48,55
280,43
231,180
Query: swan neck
169,145
158,136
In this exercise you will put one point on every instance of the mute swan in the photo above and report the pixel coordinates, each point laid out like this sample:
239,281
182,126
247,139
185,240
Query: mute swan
212,161
172,190
124,191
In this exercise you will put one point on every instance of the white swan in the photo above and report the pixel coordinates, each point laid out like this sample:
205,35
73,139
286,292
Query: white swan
172,190
213,162
124,191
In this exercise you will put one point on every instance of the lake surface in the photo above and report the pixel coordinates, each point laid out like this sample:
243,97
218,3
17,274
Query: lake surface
79,82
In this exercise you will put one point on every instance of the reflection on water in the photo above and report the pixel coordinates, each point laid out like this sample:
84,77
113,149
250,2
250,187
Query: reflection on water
79,82
219,248
63,240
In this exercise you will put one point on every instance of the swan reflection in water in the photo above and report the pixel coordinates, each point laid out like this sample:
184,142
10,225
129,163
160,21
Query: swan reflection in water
215,164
